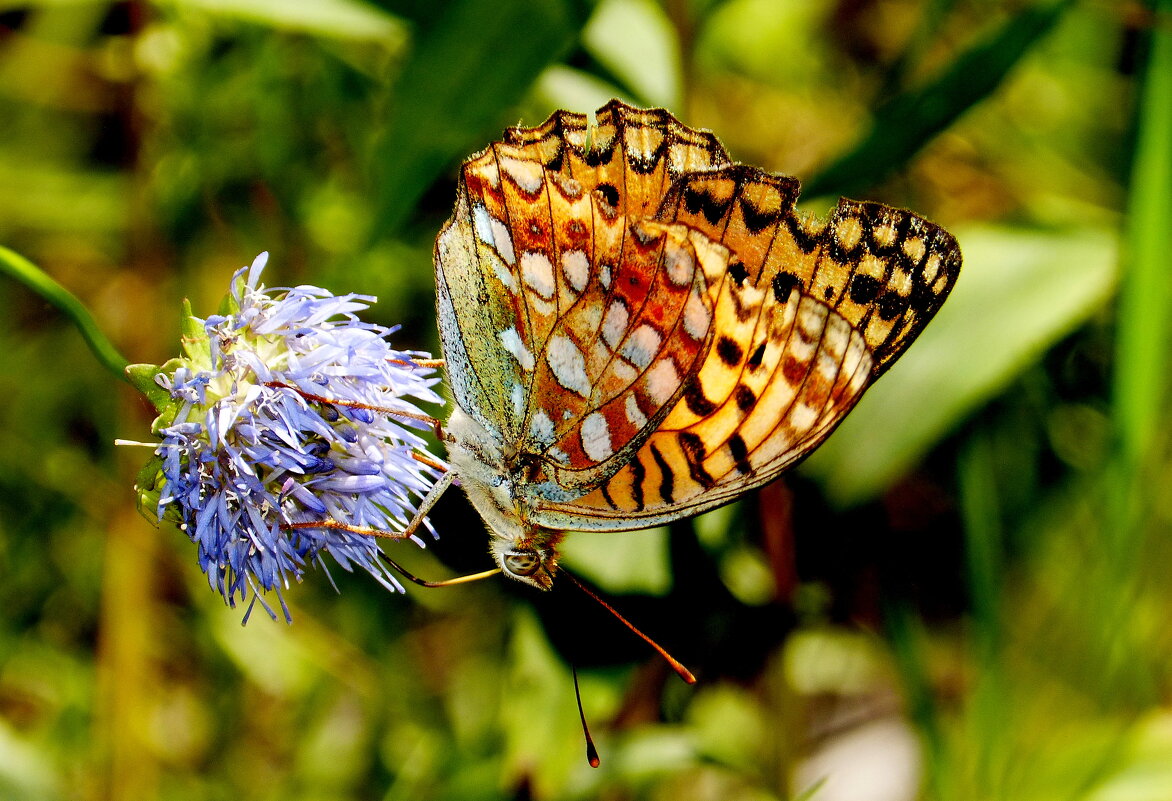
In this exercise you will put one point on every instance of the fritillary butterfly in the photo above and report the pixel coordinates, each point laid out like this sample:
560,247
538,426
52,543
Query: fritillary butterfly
636,329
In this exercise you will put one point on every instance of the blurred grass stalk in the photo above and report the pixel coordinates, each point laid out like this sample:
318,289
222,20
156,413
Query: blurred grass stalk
1141,353
1101,632
906,122
1140,383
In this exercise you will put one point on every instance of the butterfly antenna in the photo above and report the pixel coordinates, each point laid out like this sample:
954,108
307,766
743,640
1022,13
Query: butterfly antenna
680,670
591,751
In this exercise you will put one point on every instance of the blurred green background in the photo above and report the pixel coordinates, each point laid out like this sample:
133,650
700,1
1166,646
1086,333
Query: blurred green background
964,595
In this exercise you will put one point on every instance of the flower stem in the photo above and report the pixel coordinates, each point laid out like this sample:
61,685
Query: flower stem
38,281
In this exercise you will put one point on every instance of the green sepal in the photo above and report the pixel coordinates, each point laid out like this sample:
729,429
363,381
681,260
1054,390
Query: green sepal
147,488
197,345
142,378
229,305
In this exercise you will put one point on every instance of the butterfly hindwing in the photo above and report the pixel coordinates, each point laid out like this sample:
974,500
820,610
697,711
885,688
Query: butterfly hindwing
885,270
708,452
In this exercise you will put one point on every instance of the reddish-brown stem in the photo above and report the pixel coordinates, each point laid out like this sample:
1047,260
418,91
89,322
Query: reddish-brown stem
443,468
423,418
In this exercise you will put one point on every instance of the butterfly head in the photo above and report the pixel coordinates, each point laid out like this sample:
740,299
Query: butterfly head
530,561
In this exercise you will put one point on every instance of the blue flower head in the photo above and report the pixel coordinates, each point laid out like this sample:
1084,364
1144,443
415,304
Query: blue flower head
286,410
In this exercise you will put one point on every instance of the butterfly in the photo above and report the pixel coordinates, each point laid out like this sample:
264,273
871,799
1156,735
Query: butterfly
636,329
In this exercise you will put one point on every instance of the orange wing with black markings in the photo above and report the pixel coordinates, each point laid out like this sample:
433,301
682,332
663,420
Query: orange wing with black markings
814,312
588,317
647,330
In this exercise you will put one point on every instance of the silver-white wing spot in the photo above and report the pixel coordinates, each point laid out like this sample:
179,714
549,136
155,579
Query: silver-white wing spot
493,232
679,265
662,381
513,344
568,364
634,413
596,437
538,273
541,428
528,174
641,347
577,268
614,325
517,396
696,316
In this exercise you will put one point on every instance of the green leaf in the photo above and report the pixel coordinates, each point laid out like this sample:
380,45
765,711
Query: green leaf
546,726
811,792
1018,293
459,82
621,564
908,121
635,40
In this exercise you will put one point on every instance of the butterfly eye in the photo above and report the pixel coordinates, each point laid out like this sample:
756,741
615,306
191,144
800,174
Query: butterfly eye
522,563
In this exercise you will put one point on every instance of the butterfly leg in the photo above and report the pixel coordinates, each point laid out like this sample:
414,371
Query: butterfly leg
425,506
429,500
435,364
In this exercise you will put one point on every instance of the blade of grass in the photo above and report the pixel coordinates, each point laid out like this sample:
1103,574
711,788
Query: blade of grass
36,279
1140,389
932,16
1141,353
908,121
989,712
982,530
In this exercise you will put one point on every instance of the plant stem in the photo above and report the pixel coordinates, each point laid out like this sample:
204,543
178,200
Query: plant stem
38,281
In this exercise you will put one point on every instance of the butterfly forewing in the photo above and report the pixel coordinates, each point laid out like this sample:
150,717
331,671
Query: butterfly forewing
628,156
586,324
